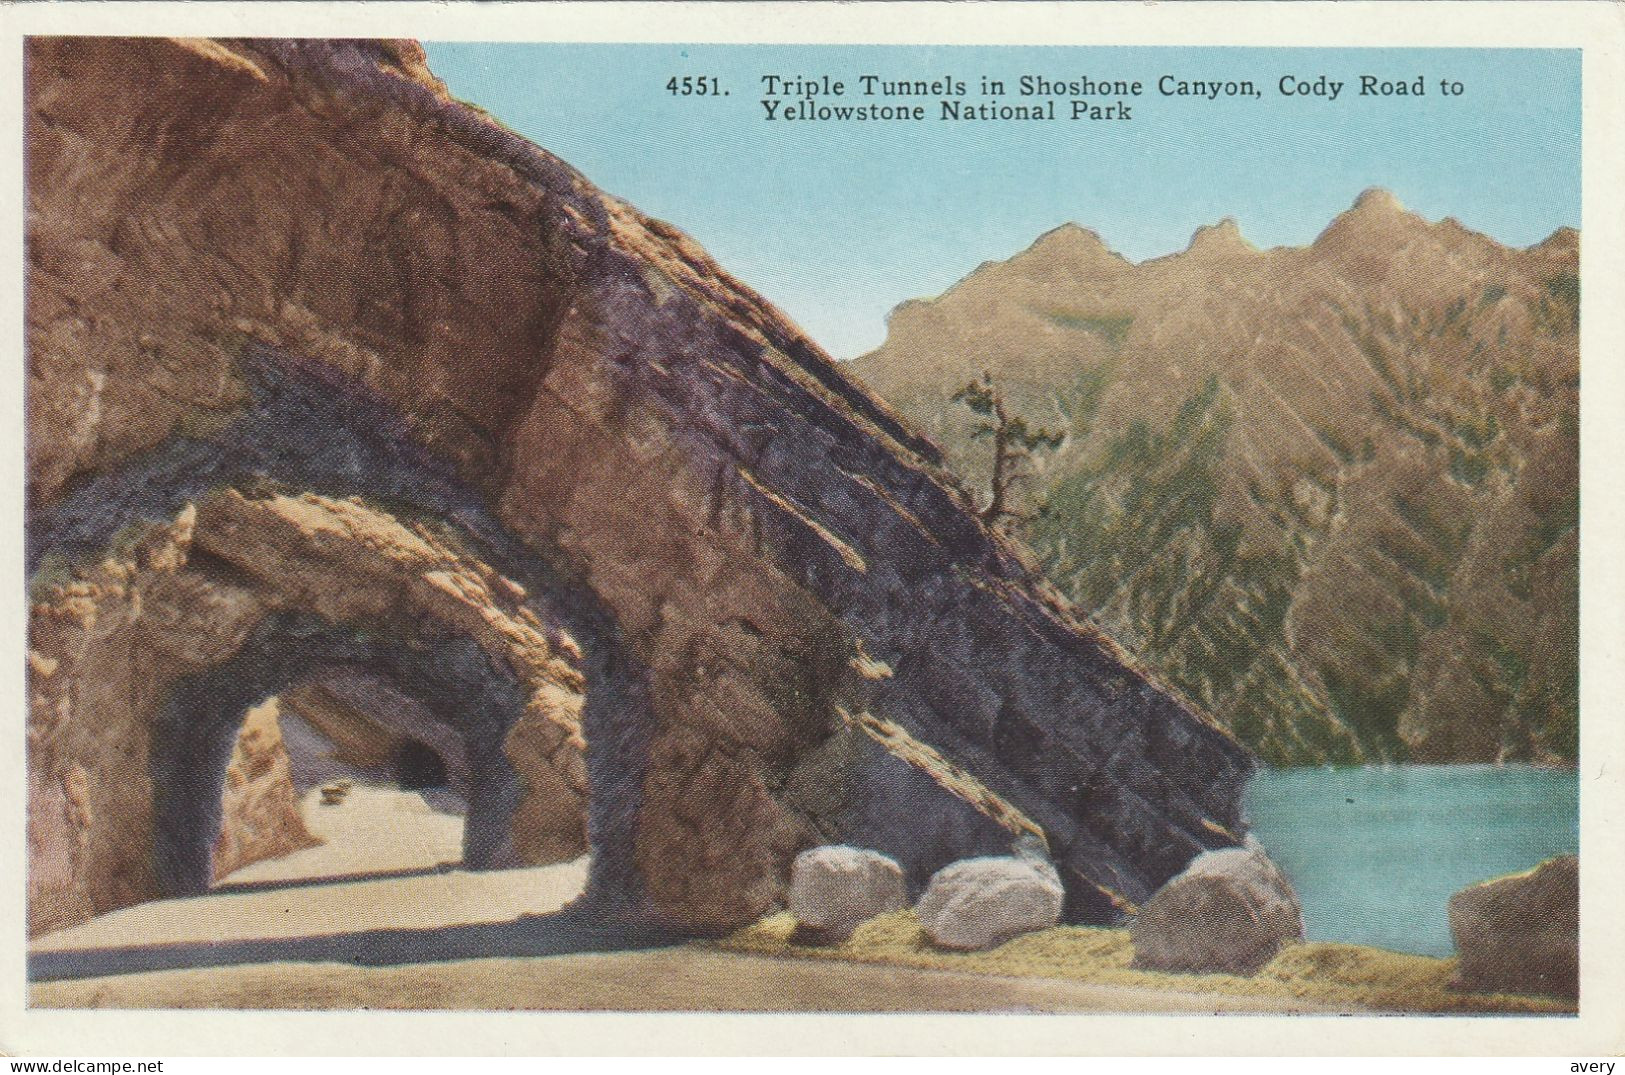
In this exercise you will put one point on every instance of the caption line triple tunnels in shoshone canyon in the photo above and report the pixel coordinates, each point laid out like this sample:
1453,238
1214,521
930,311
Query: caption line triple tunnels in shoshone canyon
341,394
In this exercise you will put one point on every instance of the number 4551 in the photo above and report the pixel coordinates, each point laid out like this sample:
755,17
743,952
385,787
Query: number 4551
694,86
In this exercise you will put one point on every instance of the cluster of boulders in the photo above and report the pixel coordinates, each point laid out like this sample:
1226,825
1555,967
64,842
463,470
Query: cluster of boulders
969,905
1230,911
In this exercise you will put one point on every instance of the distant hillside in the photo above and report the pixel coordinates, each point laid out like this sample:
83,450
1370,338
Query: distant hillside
1330,491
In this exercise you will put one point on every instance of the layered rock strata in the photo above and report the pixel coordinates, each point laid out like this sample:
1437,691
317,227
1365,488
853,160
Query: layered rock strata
293,313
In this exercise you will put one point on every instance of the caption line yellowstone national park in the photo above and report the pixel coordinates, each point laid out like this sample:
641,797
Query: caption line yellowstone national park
823,98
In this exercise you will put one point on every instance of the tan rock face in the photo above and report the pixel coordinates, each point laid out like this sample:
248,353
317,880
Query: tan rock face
105,647
438,404
261,818
108,646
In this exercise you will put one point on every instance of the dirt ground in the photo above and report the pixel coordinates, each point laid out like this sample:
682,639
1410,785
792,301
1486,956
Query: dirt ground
666,979
377,918
408,849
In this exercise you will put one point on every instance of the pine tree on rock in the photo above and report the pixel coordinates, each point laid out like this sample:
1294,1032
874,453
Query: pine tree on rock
1014,446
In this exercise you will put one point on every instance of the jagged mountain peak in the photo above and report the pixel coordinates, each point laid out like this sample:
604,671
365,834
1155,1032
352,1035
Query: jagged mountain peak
1564,240
1073,241
1379,200
1223,237
1376,216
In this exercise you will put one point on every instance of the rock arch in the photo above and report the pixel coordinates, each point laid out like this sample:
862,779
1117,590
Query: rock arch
194,733
268,277
333,603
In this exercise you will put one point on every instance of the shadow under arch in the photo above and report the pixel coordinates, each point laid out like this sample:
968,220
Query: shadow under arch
451,677
581,927
417,766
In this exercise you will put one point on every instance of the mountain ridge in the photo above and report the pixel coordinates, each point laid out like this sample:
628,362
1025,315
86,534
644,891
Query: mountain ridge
1563,233
1341,391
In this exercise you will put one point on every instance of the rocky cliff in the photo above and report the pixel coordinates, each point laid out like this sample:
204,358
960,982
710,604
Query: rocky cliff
1331,492
334,381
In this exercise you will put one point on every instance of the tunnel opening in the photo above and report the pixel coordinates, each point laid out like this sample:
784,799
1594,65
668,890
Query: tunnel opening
365,456
416,767
445,689
316,793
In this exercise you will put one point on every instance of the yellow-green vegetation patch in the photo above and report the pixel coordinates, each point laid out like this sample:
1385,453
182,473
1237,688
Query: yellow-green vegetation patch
1337,975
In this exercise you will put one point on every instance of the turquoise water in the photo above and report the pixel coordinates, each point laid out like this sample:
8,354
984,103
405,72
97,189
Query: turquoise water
1376,852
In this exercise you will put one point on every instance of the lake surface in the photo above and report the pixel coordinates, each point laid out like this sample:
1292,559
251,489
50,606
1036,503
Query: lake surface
1376,852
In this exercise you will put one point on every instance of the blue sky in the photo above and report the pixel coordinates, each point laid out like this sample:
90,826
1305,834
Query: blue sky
838,223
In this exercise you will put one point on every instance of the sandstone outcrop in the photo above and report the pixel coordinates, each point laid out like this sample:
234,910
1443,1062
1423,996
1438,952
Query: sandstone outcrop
982,902
1521,934
1229,912
332,377
145,665
835,888
259,805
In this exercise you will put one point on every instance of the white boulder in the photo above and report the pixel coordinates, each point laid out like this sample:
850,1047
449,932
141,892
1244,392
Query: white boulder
1228,913
982,902
835,888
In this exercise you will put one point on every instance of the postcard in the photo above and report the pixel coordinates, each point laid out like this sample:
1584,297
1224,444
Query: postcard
815,528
